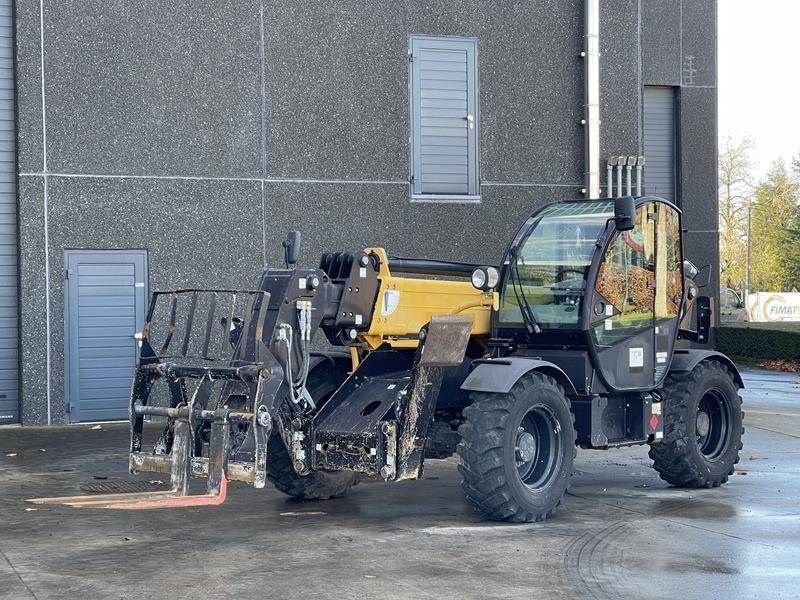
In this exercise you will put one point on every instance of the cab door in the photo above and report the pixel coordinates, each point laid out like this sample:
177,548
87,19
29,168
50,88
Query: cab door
668,285
637,300
623,307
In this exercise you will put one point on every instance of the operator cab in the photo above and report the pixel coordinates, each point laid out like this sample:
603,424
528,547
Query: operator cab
582,279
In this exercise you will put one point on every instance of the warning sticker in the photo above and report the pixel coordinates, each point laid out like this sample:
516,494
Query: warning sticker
636,357
661,357
391,299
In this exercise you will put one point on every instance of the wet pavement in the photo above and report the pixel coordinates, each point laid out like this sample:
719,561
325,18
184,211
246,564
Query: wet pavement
622,532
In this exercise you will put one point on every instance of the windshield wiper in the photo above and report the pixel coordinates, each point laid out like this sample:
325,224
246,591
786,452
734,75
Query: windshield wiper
528,316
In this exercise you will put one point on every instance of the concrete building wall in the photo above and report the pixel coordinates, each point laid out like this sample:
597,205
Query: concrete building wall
201,132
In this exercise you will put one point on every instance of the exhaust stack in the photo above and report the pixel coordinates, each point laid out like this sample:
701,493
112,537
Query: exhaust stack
628,169
633,187
639,165
612,162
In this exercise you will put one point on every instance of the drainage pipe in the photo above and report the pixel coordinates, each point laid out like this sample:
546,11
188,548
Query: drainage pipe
591,107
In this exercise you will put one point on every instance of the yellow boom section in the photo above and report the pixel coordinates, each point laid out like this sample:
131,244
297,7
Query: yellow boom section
405,305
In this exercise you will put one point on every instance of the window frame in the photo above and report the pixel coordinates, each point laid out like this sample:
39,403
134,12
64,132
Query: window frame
473,196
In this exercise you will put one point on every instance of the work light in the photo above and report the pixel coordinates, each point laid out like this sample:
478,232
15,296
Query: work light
485,278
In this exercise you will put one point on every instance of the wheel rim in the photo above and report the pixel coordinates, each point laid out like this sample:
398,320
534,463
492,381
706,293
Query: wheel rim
536,447
712,424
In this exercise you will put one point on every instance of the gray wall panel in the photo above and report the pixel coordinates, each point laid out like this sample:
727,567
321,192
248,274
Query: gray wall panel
172,89
698,158
33,306
661,42
620,113
699,43
205,233
337,87
468,232
29,87
337,90
155,87
531,79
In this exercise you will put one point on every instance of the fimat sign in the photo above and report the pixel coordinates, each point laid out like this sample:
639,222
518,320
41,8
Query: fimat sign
769,307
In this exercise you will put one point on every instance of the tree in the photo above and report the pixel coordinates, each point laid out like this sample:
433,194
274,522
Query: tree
735,194
775,235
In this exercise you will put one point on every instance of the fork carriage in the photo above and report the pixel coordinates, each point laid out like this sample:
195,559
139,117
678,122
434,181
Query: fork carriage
228,381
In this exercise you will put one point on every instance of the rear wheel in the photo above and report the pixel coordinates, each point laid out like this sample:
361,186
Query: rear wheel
317,485
517,450
702,427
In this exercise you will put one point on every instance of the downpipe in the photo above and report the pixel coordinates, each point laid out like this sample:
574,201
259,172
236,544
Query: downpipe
591,107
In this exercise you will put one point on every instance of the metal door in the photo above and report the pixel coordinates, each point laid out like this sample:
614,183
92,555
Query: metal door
9,300
104,309
659,141
444,114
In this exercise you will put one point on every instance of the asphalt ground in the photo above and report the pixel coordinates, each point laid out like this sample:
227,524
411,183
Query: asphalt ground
621,532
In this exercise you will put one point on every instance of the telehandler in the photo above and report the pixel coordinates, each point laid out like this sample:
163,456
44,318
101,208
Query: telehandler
581,336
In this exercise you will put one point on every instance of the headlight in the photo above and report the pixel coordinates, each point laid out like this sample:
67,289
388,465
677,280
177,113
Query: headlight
493,277
479,278
485,278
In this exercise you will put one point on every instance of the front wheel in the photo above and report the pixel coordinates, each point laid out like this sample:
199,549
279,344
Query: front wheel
702,427
517,450
317,485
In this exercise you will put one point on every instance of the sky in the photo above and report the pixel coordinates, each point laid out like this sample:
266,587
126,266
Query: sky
759,76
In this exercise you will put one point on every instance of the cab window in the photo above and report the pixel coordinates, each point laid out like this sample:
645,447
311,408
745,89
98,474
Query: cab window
669,276
547,270
626,282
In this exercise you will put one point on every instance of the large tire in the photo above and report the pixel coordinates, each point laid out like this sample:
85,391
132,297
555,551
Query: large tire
442,440
317,485
702,427
517,450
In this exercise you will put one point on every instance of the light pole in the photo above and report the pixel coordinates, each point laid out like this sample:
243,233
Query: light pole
748,262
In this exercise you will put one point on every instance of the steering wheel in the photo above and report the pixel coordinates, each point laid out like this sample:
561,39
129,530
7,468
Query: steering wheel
561,272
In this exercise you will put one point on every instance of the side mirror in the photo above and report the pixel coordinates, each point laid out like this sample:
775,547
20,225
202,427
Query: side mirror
291,248
689,270
703,277
624,213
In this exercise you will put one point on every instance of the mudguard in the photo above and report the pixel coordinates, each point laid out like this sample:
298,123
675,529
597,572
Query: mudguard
499,375
686,359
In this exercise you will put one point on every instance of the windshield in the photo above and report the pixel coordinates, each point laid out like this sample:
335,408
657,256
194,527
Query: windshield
548,268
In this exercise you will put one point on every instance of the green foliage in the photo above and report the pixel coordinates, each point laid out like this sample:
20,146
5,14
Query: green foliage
774,213
775,238
760,340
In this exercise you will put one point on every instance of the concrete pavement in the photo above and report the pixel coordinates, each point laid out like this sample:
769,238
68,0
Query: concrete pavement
622,533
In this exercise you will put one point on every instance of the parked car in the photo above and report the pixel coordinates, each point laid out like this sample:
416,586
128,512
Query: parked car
732,307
